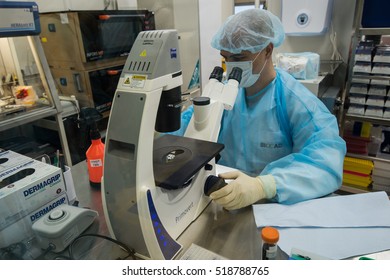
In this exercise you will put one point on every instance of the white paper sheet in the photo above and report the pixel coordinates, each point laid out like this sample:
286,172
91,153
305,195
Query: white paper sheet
335,243
357,210
336,227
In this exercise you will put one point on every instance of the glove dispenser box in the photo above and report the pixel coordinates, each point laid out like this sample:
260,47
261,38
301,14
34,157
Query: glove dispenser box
306,17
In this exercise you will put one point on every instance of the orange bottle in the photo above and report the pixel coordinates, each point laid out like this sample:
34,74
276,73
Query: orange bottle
95,158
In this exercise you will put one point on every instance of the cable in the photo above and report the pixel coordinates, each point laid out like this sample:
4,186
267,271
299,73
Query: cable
50,248
130,251
17,250
107,4
335,54
333,39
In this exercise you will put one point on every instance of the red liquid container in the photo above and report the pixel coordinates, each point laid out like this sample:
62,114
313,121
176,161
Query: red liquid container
95,159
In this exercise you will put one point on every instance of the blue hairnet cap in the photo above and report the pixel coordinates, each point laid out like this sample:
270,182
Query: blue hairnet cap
250,30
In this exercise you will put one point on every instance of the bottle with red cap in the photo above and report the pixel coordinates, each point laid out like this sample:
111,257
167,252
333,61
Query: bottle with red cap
270,238
95,157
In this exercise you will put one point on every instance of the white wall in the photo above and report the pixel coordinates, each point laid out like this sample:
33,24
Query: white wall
7,65
181,15
187,25
51,6
163,12
127,4
65,5
211,15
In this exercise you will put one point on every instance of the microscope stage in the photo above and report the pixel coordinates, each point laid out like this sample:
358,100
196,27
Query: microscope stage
177,159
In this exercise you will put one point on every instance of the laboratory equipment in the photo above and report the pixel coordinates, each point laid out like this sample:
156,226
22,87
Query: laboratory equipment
375,14
86,50
28,96
212,184
19,19
58,228
28,187
306,18
77,37
153,189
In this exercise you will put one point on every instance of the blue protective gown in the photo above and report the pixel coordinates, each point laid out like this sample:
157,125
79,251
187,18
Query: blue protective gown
286,131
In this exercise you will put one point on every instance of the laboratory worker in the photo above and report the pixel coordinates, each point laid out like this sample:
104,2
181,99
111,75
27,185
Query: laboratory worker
281,139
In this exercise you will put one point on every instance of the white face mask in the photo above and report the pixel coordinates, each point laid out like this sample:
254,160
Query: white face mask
248,78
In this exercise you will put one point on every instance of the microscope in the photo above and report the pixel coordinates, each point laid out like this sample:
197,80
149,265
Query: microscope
153,188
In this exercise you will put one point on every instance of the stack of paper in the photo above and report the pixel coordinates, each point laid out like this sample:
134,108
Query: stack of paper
381,176
357,172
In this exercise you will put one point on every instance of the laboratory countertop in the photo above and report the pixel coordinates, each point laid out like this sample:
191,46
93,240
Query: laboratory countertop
230,234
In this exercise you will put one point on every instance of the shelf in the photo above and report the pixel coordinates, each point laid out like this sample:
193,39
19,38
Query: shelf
349,189
17,119
380,121
374,31
368,157
353,190
371,77
356,37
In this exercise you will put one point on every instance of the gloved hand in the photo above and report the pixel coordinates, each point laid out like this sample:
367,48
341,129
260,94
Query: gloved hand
241,192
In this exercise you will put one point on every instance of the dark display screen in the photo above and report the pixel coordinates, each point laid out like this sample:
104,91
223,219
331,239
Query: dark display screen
108,34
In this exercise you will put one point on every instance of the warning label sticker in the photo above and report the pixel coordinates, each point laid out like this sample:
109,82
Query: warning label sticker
143,53
135,81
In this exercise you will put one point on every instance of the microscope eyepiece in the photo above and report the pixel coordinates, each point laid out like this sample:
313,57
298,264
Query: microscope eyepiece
217,73
236,74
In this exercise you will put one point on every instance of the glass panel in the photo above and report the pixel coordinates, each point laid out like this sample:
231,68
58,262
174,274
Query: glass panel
22,87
